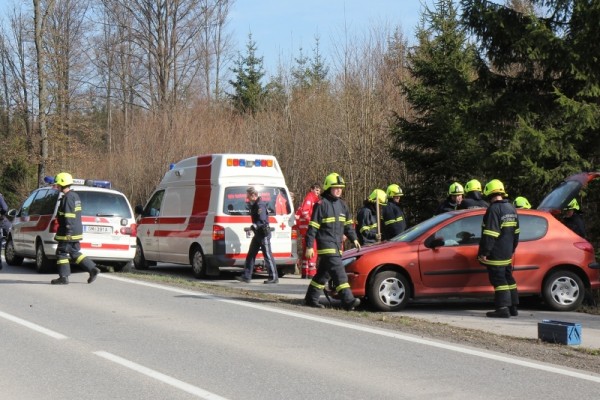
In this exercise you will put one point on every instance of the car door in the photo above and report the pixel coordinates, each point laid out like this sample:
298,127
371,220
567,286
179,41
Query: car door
149,226
451,264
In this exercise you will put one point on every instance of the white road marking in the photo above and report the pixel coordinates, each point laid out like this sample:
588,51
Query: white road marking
186,387
33,326
375,331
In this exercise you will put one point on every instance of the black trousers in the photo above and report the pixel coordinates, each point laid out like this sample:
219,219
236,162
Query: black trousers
329,267
70,251
262,243
505,286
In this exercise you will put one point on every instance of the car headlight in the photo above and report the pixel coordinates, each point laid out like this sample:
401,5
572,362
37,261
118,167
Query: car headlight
348,261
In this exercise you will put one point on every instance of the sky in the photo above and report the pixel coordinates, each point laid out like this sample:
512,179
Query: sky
281,27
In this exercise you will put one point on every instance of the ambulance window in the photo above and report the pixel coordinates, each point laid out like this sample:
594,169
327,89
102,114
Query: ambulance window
152,209
235,201
277,199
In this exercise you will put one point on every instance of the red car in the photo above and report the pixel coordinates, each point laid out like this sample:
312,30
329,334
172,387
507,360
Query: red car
438,257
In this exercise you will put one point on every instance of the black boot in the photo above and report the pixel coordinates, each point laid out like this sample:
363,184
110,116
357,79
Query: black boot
93,273
514,298
501,312
351,305
63,280
311,303
513,311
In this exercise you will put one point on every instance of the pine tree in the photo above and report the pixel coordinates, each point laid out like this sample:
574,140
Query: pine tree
249,93
436,144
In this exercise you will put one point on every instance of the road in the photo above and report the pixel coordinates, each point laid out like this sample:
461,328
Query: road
121,339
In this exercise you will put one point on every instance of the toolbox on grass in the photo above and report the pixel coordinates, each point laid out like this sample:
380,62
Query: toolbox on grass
559,332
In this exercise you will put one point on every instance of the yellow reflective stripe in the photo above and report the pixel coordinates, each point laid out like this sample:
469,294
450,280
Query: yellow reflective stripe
342,287
79,259
501,288
517,230
368,227
62,261
491,233
326,251
389,222
512,287
343,218
317,285
508,224
77,208
350,222
328,220
314,224
498,263
70,215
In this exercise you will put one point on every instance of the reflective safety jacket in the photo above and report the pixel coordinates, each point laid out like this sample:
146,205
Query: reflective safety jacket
366,225
69,218
304,212
393,220
499,234
330,221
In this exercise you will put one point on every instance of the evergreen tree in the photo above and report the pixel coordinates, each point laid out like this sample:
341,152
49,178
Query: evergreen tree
436,143
249,93
542,74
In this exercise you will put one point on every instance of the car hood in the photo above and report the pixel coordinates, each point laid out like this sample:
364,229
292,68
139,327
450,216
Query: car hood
366,249
565,191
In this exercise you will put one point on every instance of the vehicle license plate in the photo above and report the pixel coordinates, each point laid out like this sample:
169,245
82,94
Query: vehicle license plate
97,229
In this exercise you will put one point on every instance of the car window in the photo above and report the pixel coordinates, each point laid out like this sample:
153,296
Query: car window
277,200
25,208
44,202
152,209
417,230
104,204
532,227
464,231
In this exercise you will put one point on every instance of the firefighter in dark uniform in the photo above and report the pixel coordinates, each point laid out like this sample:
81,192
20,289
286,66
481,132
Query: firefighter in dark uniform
499,240
573,219
70,232
261,239
473,197
330,221
367,224
455,195
392,215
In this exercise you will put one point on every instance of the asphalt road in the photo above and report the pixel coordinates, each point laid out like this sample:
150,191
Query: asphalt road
122,339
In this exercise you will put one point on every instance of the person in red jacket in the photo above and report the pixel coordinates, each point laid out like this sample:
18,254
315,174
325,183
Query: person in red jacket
303,215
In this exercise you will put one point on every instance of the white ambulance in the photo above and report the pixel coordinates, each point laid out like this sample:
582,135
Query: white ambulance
199,215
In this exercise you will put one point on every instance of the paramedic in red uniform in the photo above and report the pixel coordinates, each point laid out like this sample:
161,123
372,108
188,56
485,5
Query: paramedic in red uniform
261,239
303,215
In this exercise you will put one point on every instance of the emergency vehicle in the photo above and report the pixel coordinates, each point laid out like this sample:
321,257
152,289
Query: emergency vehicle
109,229
199,215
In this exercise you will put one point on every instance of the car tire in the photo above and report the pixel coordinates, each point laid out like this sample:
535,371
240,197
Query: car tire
123,267
389,291
563,291
139,261
198,263
9,253
43,264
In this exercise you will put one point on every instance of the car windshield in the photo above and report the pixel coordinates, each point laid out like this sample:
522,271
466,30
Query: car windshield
103,204
414,232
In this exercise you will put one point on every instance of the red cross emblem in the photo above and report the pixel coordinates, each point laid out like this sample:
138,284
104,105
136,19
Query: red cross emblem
282,226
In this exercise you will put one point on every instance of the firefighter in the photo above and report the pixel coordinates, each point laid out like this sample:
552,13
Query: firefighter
367,223
573,218
392,215
70,233
473,197
303,215
521,202
330,221
499,240
455,195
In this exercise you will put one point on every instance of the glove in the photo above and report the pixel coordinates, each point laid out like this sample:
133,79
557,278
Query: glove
378,237
253,228
357,244
309,253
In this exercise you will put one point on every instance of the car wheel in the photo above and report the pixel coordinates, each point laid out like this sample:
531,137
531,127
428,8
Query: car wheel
281,272
198,264
123,267
389,291
9,253
139,261
42,263
563,291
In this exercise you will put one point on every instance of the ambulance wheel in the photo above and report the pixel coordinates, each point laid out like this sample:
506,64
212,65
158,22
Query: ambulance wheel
42,263
198,262
139,261
281,272
9,253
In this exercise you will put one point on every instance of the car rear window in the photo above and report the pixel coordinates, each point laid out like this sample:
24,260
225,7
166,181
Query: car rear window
277,200
104,204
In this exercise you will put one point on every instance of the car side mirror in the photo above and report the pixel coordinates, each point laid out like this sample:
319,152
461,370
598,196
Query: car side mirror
432,242
12,213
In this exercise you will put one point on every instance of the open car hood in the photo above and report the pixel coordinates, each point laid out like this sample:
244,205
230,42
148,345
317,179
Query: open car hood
568,189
